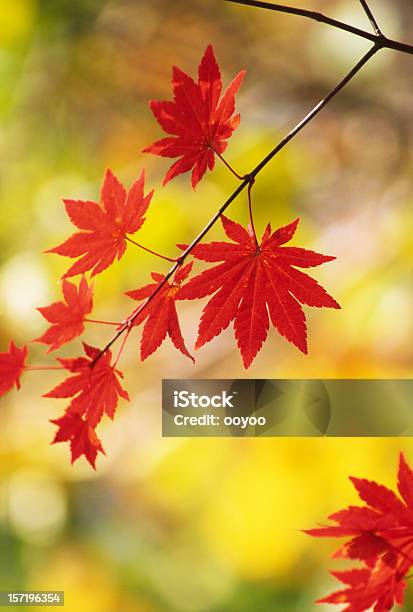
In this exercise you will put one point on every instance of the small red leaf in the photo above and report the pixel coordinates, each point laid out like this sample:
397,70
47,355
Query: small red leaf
94,388
105,226
12,365
160,313
82,437
198,121
68,316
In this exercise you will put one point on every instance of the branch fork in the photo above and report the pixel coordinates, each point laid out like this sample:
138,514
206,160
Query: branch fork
379,40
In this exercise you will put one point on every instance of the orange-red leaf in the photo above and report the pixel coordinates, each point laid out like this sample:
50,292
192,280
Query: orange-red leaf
255,285
82,437
94,386
378,588
12,364
67,317
160,314
104,226
199,120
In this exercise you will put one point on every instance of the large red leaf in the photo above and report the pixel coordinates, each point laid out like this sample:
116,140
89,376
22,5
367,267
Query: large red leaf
94,386
199,120
104,226
67,317
160,314
12,364
381,536
255,285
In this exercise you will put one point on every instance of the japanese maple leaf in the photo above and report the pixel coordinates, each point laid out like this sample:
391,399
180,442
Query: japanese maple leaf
255,284
380,534
12,365
104,226
378,588
67,317
82,437
199,120
94,386
160,314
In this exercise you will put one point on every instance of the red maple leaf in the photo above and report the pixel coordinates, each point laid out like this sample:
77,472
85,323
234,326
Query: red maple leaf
104,226
160,314
256,284
67,317
82,437
377,588
94,387
381,536
12,365
199,119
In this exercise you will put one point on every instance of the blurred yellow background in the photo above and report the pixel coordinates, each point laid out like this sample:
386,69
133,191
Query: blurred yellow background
196,525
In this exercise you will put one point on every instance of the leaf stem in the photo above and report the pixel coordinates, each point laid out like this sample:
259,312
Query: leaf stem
102,322
122,346
42,368
230,168
149,250
245,183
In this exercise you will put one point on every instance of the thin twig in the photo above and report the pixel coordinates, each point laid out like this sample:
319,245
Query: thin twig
388,43
250,186
317,108
371,17
42,368
245,183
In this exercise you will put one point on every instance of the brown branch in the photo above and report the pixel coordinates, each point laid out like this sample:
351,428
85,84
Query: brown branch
245,183
314,15
388,43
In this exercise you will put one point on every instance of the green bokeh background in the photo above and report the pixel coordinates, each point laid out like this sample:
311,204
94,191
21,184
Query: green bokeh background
196,525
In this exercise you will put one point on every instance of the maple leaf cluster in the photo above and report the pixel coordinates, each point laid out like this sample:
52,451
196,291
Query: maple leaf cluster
94,390
251,283
381,537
